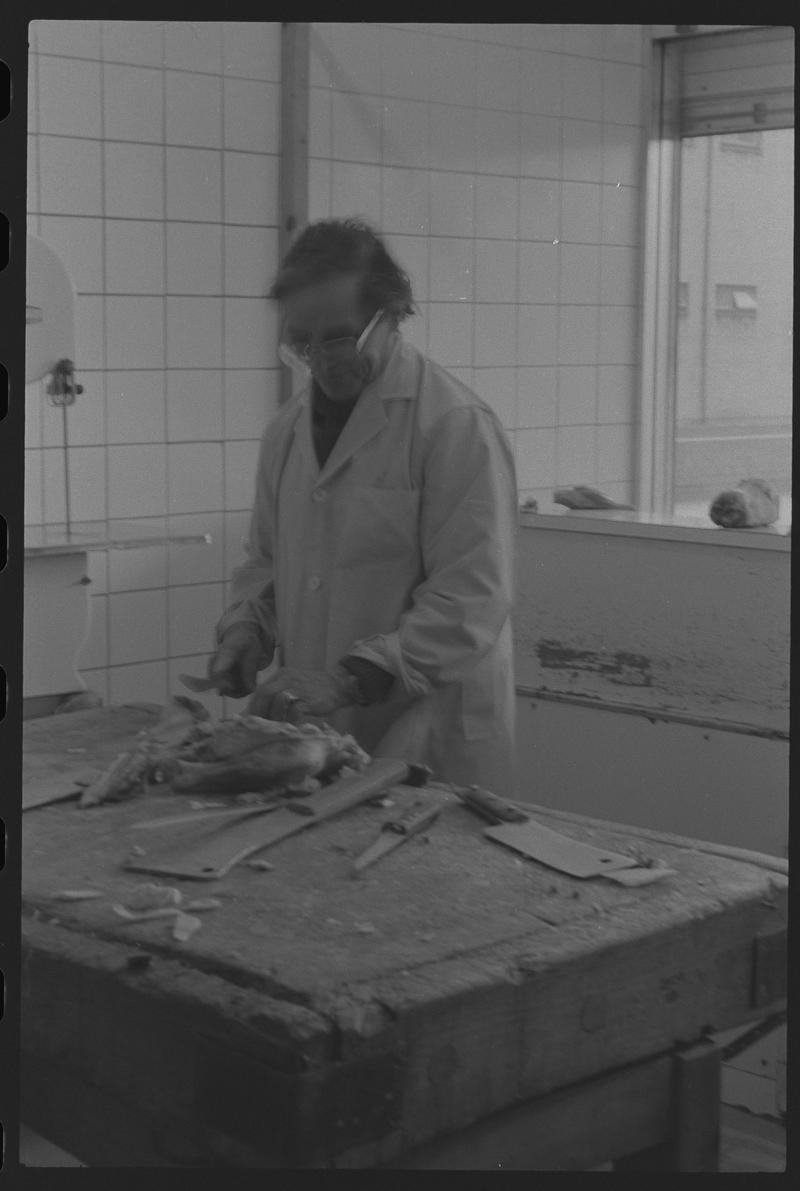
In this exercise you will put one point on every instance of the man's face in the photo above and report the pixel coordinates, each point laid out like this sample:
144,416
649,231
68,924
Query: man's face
332,310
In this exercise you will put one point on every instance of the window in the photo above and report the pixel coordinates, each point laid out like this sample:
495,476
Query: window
717,373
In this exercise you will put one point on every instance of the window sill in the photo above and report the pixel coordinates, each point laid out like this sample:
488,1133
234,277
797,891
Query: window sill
629,523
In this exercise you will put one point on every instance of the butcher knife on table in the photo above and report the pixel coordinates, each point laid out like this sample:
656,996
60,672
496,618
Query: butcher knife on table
517,830
219,849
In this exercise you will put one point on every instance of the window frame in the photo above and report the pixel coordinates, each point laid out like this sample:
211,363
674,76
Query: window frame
658,333
655,453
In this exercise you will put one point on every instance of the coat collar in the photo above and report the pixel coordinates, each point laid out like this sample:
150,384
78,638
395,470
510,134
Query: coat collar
400,375
397,379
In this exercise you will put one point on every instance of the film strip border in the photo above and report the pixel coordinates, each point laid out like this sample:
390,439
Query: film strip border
13,130
7,471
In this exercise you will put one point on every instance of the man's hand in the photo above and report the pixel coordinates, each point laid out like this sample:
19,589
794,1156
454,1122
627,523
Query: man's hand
239,657
292,694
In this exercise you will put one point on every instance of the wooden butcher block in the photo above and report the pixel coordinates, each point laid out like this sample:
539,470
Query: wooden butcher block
319,1019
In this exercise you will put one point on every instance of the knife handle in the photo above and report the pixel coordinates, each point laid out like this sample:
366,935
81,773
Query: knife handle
360,787
416,818
490,806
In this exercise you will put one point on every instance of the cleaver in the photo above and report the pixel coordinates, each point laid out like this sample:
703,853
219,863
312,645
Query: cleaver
558,851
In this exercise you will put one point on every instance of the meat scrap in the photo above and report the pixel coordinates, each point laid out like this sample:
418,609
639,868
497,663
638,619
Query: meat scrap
264,755
244,754
243,734
153,756
750,504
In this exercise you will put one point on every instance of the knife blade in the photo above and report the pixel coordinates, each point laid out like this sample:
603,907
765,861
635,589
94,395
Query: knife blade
557,851
197,683
231,813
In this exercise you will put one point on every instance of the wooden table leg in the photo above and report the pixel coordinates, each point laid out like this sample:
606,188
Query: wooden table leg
694,1145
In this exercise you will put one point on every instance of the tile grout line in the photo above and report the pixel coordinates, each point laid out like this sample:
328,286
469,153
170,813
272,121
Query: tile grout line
327,160
165,358
155,219
41,383
517,287
206,74
474,244
428,236
596,380
224,328
203,442
104,380
448,37
426,338
203,147
559,273
216,297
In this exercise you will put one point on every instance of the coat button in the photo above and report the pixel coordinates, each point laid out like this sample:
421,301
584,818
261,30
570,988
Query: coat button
315,582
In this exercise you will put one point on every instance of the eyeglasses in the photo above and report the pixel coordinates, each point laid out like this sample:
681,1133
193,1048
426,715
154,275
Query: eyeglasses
306,352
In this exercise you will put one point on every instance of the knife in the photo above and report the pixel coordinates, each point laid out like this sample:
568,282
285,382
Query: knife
396,831
516,829
196,683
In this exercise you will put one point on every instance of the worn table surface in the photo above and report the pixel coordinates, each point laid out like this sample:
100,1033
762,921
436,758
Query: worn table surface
489,978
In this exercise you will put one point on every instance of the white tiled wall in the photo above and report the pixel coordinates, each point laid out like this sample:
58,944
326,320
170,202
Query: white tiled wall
153,172
504,165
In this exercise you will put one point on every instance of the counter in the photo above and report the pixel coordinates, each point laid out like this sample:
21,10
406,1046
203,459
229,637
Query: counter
663,652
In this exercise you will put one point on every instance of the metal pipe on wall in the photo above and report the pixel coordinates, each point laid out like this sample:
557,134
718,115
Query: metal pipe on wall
293,159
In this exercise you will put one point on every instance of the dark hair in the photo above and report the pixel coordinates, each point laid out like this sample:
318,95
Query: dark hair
333,247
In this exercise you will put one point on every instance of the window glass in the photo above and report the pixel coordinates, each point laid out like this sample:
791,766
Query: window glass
735,304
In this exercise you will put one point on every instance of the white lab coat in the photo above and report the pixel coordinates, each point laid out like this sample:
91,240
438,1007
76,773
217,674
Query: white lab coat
399,550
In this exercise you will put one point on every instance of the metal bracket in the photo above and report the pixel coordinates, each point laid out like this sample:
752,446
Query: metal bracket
750,1037
696,1107
61,386
769,968
62,390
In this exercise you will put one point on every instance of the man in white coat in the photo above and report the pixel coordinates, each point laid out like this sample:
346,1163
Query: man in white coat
380,554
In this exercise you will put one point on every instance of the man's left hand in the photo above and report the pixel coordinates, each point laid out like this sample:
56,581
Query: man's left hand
292,694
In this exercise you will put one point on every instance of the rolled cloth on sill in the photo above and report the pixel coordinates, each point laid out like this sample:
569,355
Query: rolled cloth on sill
750,504
583,497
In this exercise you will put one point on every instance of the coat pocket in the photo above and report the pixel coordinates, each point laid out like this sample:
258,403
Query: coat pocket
487,694
382,526
478,696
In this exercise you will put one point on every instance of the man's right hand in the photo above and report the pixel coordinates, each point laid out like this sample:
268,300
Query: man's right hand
240,655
